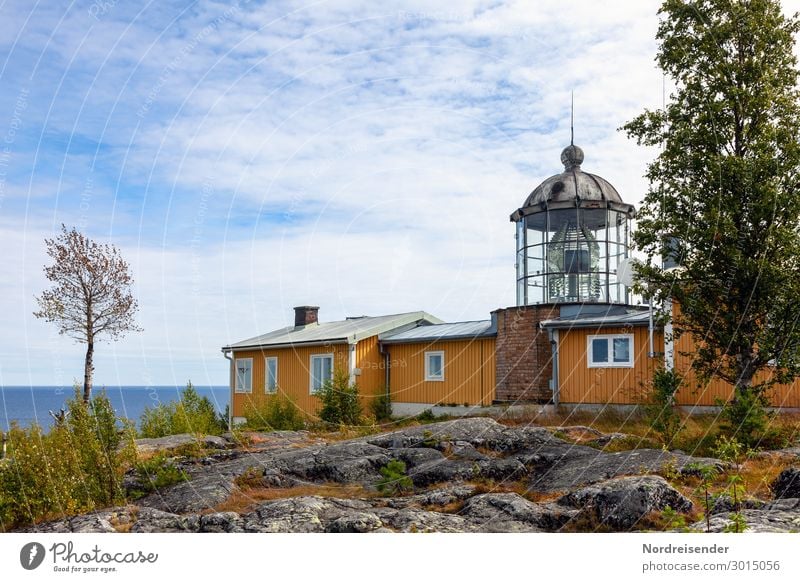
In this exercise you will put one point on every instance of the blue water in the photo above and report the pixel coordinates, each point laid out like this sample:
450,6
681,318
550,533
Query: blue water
29,404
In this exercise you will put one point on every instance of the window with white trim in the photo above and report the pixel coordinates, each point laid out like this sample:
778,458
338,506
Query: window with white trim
244,375
271,375
321,371
434,366
610,351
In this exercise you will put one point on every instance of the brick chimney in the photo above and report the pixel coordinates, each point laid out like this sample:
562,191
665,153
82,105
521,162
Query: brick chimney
305,315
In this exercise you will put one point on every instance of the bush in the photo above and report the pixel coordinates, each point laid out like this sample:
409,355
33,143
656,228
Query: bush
340,401
277,412
76,467
155,473
661,410
746,417
381,407
192,413
394,479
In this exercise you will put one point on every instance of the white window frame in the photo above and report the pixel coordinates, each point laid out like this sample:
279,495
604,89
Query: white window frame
242,389
609,337
267,389
311,389
428,376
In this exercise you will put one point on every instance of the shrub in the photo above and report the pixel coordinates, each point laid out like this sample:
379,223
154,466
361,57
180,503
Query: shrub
192,413
277,412
76,467
381,406
340,401
426,416
155,473
746,417
394,479
661,410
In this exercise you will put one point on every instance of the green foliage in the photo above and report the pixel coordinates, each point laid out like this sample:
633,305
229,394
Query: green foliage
76,467
381,406
723,192
674,520
340,401
155,473
426,416
223,418
394,479
746,417
708,474
661,410
276,412
733,451
192,413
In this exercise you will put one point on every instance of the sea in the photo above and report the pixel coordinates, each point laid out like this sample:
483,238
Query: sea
29,404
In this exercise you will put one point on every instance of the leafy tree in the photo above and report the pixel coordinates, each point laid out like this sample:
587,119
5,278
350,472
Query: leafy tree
91,296
723,197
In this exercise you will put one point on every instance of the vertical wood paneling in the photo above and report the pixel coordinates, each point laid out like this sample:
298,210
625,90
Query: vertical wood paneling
695,393
293,374
469,372
581,384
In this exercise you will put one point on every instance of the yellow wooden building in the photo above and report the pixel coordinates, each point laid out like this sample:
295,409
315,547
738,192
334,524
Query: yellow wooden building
574,337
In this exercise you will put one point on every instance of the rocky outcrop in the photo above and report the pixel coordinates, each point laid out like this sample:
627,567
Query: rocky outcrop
169,444
462,472
780,516
620,504
787,484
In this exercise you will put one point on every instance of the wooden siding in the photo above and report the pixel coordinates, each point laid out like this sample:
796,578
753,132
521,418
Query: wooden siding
580,384
784,395
293,375
469,372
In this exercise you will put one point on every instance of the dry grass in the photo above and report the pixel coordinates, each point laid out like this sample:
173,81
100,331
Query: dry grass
243,500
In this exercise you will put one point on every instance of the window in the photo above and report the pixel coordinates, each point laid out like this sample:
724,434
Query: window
244,375
610,351
321,371
271,375
434,366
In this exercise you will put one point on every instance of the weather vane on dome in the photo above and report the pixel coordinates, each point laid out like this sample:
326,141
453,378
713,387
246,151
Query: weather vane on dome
572,118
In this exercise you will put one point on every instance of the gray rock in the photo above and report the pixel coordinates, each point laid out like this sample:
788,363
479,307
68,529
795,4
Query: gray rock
475,431
149,520
511,512
177,441
435,497
464,450
220,522
787,484
421,521
565,468
781,516
203,492
724,503
619,504
356,522
414,457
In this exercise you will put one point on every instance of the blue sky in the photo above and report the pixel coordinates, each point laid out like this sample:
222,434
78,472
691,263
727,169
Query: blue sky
248,157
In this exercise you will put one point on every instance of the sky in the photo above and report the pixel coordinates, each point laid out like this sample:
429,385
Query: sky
247,157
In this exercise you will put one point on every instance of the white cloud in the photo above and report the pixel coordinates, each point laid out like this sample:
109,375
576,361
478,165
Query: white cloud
360,156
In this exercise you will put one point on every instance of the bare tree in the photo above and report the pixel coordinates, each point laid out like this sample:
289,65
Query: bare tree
91,295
